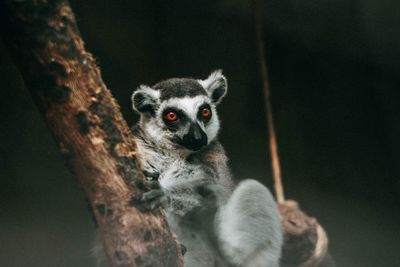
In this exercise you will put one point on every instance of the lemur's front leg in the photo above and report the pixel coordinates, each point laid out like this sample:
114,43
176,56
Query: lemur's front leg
187,194
153,195
187,188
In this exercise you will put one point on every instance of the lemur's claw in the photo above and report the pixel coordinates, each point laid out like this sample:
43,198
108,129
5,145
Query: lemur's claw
151,195
151,176
148,201
146,185
135,199
183,249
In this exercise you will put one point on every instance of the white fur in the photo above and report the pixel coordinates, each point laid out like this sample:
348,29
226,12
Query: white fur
228,227
190,105
214,81
144,89
247,224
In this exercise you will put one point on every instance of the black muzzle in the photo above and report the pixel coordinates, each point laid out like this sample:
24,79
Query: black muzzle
195,139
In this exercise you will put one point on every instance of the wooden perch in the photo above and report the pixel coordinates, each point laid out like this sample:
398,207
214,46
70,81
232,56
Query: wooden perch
85,121
305,241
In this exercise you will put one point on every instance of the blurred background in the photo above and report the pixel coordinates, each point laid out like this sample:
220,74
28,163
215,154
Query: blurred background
335,73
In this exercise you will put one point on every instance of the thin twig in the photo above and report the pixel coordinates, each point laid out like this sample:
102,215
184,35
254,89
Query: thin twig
273,145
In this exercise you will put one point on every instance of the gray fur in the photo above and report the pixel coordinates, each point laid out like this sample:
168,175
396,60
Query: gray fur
179,87
218,224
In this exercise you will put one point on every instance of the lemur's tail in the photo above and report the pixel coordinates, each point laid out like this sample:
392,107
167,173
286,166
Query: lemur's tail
249,227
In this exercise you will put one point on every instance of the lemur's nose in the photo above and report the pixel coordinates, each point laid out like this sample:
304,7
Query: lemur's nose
197,133
195,139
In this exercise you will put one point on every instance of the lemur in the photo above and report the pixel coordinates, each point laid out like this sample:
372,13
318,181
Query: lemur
217,223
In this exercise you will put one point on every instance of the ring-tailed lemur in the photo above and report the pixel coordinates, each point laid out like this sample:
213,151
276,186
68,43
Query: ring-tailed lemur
187,173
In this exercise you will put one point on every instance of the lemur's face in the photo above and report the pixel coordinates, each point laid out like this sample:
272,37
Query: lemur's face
181,114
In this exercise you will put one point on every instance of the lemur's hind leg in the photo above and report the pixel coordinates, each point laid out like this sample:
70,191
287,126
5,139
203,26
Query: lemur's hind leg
249,227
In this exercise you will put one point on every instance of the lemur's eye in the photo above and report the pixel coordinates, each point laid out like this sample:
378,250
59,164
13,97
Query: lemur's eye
171,116
206,113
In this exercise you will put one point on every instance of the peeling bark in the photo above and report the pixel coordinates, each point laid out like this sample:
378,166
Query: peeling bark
85,120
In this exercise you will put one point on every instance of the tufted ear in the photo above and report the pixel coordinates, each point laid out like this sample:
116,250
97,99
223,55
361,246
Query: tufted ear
145,99
215,85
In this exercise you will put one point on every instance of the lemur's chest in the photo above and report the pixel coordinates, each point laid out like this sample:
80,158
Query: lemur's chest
155,162
170,169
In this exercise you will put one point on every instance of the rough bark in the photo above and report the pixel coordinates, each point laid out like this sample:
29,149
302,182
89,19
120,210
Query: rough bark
305,241
85,120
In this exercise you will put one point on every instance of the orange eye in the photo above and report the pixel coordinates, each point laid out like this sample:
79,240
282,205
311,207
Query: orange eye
205,112
171,116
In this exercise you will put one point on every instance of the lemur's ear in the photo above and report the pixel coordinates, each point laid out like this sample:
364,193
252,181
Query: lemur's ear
215,85
145,99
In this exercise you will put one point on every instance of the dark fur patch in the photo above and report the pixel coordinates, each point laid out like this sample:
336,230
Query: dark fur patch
218,93
179,87
144,104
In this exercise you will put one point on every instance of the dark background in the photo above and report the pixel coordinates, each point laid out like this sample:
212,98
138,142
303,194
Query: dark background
335,75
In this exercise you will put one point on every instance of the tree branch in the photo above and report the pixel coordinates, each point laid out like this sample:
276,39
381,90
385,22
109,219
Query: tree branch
305,241
85,120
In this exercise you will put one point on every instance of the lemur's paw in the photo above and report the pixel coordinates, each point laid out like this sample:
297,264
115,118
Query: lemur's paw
208,195
146,185
206,191
147,201
151,176
183,249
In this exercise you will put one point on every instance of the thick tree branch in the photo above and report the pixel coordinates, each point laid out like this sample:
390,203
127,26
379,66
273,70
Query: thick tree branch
305,241
85,120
